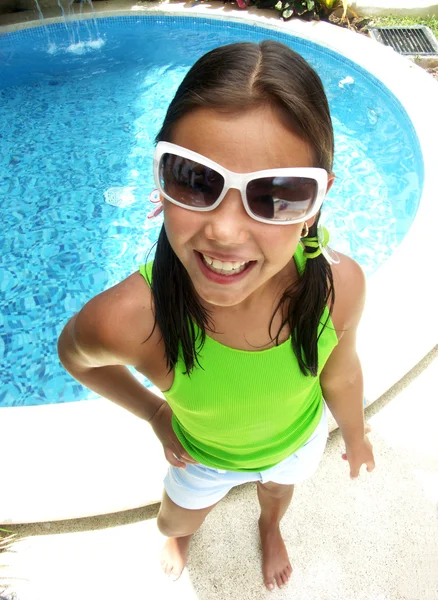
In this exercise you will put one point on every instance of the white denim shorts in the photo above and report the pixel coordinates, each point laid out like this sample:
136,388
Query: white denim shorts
198,486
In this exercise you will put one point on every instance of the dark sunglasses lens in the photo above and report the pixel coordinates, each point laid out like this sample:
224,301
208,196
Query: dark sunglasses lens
281,198
189,182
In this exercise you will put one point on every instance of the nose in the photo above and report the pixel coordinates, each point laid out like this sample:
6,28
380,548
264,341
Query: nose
228,224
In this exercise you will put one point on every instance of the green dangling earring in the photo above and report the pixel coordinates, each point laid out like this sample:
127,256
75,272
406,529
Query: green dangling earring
320,242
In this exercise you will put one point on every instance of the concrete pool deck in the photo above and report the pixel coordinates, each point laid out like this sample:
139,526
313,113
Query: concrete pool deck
370,539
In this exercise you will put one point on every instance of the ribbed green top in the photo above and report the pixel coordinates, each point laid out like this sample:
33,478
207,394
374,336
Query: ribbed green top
245,410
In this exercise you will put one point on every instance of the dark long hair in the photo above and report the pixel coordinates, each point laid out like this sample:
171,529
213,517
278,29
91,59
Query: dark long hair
240,77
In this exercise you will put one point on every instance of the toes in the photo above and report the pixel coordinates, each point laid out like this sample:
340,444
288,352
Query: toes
163,564
171,573
270,585
166,566
283,577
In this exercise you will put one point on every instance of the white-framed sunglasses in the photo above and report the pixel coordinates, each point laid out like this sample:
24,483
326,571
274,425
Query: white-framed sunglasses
274,196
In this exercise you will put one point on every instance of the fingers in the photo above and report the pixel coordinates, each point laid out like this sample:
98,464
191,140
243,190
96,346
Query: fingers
354,473
182,454
187,458
173,459
355,470
371,465
356,461
184,457
178,458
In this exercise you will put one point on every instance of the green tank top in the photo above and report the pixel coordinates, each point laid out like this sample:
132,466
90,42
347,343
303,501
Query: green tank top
247,410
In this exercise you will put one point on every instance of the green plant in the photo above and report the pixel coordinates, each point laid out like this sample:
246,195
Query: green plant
5,540
305,9
331,5
5,544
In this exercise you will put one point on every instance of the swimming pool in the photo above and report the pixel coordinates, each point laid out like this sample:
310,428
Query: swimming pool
84,103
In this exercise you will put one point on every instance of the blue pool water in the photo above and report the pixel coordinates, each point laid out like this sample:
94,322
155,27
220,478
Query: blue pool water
80,106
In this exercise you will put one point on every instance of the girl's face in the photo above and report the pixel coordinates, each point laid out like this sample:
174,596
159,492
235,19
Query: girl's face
243,143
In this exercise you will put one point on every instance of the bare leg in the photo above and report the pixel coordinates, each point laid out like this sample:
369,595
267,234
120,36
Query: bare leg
274,500
179,524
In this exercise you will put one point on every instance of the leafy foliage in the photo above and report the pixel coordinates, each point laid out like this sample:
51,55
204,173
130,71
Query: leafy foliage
304,9
5,544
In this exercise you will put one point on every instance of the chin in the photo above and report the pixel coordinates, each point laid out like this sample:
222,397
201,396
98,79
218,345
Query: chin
220,300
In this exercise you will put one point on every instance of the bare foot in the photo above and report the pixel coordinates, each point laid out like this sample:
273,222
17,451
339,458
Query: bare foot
174,556
276,567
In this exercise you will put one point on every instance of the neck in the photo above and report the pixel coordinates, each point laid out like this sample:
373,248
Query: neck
263,299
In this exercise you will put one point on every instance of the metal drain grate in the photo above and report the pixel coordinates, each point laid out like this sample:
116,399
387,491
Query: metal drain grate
417,40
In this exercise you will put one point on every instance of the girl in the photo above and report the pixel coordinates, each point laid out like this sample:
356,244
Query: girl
241,320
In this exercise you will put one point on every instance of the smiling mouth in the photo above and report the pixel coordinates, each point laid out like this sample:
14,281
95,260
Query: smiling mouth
224,268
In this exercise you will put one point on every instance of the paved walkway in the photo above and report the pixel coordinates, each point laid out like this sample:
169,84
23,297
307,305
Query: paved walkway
370,539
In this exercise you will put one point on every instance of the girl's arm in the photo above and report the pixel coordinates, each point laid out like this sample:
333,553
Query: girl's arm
90,363
114,330
341,378
107,334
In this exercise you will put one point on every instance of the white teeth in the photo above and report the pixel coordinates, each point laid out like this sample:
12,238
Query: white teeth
224,268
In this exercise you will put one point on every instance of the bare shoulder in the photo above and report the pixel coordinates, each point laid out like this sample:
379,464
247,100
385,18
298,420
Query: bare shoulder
112,328
350,287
